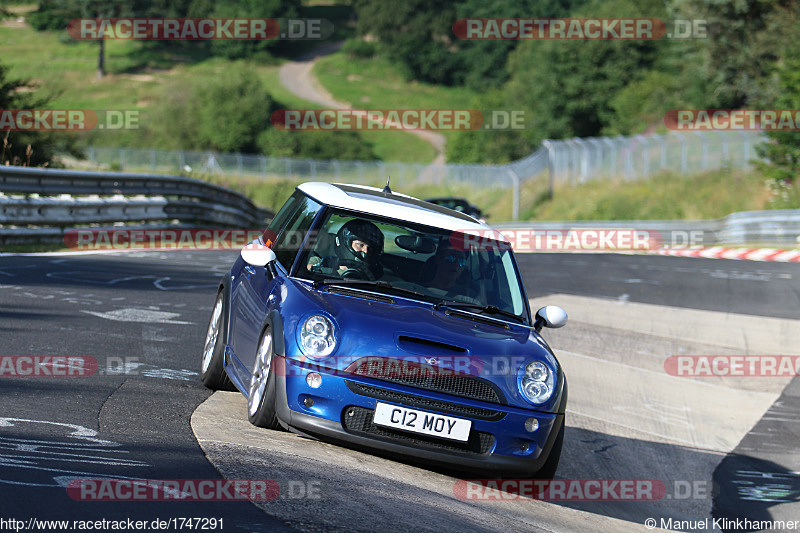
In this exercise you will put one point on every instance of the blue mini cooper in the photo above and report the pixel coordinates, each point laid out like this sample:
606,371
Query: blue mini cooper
379,321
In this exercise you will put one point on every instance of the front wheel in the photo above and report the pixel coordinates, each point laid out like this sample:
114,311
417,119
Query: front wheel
261,398
212,371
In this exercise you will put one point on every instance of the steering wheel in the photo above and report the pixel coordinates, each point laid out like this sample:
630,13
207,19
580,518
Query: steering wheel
353,273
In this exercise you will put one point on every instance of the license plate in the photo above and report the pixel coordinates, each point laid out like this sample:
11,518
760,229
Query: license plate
407,419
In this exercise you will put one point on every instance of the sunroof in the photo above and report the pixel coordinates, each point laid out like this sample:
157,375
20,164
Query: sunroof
357,192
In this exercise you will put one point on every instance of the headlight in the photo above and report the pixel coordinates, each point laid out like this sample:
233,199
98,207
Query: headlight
537,382
317,336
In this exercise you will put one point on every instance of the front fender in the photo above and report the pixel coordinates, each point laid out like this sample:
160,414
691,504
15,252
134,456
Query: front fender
225,287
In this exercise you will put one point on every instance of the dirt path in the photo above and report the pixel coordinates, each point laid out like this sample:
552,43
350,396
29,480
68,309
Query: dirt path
297,77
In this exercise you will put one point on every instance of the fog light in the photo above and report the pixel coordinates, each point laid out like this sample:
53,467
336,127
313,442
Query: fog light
308,402
531,425
314,380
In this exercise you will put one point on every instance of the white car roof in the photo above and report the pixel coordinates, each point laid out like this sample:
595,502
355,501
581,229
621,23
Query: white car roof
373,201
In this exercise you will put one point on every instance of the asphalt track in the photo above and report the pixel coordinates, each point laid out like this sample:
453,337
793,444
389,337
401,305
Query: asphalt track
142,316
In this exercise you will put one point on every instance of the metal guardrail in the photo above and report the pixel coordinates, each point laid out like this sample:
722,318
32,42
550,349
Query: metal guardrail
39,204
781,226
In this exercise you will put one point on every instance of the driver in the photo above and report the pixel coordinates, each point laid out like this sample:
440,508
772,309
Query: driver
358,245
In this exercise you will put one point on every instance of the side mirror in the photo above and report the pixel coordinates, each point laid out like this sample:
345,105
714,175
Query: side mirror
550,316
257,254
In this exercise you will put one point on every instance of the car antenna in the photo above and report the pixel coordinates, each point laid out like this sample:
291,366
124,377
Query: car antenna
386,189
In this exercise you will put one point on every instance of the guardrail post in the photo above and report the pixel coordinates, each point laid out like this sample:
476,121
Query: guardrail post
725,153
612,165
704,149
663,142
746,160
548,145
515,193
684,152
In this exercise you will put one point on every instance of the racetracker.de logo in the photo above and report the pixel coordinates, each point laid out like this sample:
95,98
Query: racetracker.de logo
173,29
159,239
47,365
733,365
733,119
560,489
402,367
557,240
578,29
397,119
173,489
68,119
200,29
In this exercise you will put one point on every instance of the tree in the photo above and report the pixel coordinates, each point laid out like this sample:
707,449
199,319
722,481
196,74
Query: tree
483,62
56,14
30,148
567,88
417,34
782,151
236,49
745,40
219,113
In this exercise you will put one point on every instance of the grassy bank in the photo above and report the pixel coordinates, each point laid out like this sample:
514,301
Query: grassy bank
704,196
139,75
667,196
376,83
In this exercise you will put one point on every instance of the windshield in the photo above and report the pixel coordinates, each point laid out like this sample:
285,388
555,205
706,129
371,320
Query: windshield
438,264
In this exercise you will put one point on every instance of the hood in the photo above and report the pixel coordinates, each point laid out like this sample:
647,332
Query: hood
412,331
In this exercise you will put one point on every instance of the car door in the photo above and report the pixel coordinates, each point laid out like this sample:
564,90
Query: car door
257,291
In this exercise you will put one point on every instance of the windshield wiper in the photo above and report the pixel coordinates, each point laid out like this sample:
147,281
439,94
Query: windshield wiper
491,309
371,283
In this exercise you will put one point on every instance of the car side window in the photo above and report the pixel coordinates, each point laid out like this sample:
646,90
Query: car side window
290,239
279,220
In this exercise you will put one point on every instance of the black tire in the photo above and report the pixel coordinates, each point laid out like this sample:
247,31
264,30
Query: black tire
212,369
548,470
261,395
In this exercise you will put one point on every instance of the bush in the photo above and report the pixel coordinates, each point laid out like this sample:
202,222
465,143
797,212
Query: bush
358,49
223,113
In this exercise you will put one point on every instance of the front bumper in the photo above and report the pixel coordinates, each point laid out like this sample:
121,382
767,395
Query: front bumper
344,403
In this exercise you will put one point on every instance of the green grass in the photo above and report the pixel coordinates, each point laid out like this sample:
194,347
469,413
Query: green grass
376,83
138,74
667,196
664,197
272,192
32,248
